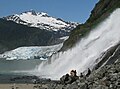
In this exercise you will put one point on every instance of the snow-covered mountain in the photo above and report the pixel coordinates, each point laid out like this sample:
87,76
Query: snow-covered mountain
41,20
28,42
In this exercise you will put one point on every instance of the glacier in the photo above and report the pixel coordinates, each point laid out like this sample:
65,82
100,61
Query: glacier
31,52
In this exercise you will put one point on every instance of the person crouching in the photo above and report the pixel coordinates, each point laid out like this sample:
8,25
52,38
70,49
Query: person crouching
73,76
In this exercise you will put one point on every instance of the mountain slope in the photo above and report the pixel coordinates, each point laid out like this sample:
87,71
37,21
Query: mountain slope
13,35
32,29
101,11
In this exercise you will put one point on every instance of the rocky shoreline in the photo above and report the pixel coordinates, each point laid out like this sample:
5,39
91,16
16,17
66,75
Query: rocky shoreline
106,77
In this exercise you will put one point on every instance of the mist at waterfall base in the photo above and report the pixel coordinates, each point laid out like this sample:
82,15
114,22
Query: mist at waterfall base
85,53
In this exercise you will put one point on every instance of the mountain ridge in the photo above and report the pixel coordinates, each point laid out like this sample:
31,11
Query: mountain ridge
41,20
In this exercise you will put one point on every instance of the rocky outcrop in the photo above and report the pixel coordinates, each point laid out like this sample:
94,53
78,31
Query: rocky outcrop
109,57
107,77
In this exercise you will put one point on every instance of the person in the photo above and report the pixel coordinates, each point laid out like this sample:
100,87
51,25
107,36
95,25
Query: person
81,75
68,79
73,76
65,79
88,73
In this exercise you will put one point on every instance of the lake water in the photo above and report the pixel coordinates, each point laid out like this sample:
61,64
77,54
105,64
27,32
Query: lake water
8,66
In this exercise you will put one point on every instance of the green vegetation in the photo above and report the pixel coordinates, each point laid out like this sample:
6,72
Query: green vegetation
101,11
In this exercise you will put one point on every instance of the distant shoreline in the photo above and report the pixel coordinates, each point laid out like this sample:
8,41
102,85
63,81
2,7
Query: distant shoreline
13,81
22,86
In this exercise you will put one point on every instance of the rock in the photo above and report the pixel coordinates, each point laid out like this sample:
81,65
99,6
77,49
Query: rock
101,87
59,86
118,82
83,86
72,86
82,79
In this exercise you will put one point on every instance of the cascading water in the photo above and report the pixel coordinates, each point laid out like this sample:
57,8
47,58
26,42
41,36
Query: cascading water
84,55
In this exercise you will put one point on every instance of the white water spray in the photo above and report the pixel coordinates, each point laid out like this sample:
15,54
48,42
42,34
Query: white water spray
84,55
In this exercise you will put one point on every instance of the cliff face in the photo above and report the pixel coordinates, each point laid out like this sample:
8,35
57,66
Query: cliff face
101,11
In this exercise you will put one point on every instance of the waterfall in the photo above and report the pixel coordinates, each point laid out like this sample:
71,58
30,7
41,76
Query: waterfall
85,53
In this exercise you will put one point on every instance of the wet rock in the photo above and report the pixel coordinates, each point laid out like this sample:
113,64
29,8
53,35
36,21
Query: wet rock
72,86
101,87
83,86
81,79
60,86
